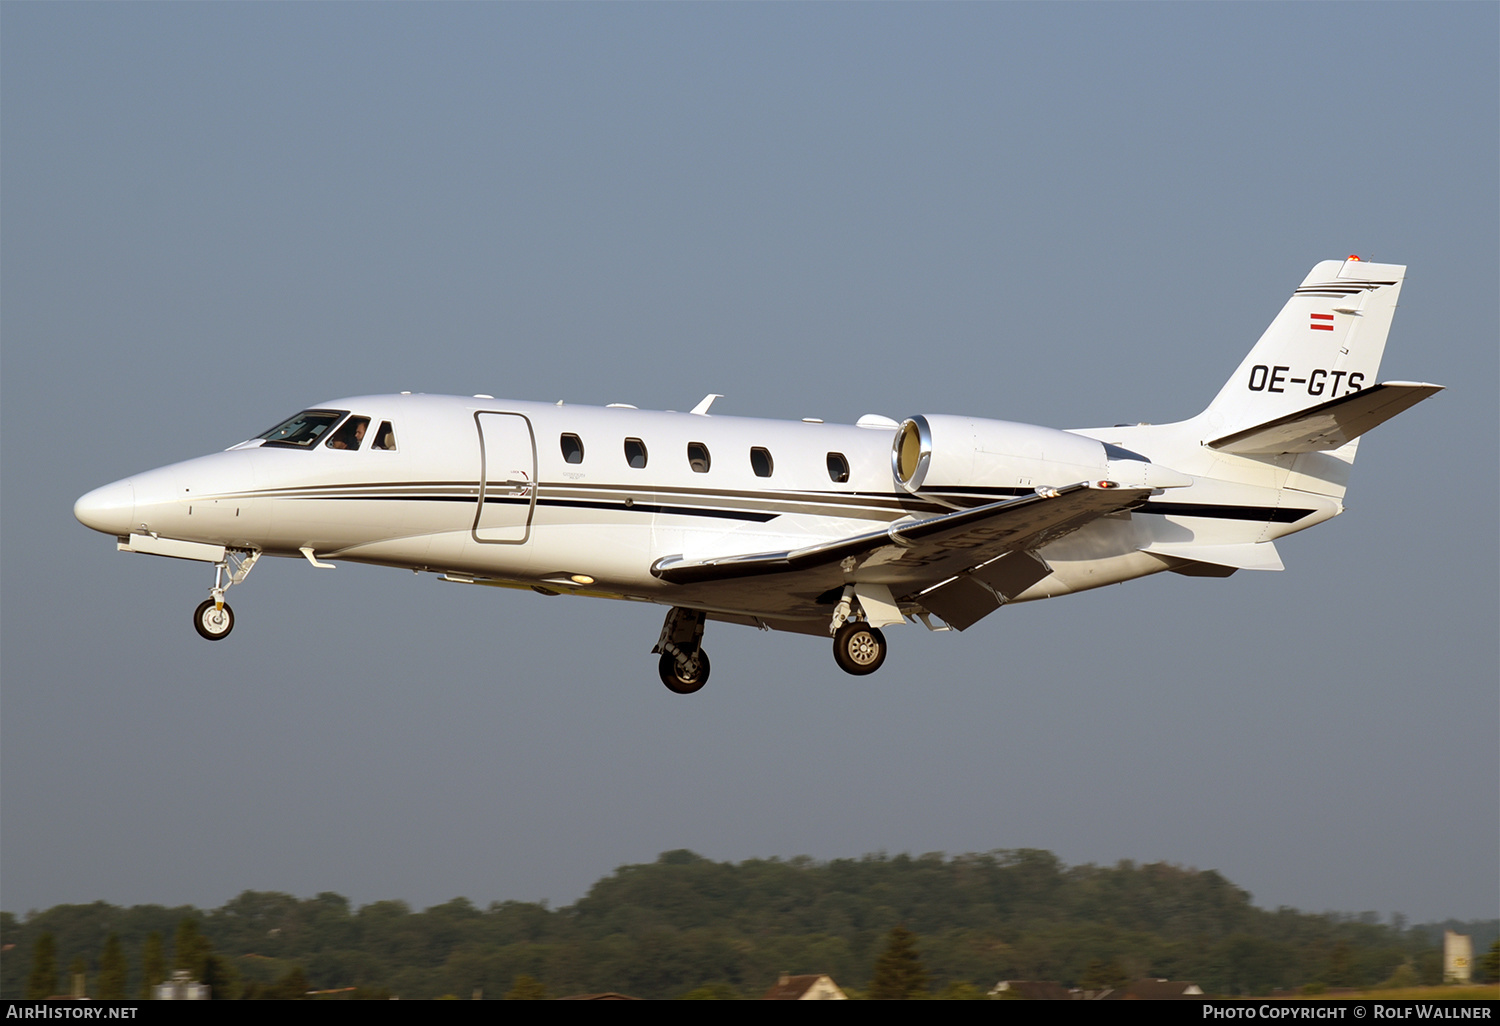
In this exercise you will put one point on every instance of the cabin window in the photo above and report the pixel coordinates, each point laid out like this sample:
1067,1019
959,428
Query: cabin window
303,430
698,457
350,435
838,468
385,438
572,449
760,462
635,453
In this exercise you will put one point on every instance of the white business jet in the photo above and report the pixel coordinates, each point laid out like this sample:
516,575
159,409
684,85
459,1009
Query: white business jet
809,527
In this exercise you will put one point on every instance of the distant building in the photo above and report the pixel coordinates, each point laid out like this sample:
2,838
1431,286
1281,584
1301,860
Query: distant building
805,988
1137,990
181,987
1032,990
1155,990
1458,957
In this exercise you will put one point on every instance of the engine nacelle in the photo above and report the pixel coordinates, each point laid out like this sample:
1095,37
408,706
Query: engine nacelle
945,452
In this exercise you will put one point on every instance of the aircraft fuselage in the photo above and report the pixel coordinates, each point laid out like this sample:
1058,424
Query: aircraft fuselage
801,526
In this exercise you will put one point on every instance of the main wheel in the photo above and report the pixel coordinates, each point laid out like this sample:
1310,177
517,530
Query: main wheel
859,648
213,624
673,678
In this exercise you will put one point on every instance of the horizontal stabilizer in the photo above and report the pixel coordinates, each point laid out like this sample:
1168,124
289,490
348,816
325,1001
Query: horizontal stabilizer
1329,425
1255,556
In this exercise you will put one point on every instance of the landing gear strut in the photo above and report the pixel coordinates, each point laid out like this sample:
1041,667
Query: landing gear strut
213,619
683,665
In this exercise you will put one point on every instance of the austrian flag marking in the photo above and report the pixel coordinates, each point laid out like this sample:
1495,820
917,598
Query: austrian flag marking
1322,322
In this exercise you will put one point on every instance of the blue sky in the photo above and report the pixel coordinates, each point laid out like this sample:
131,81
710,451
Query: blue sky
212,216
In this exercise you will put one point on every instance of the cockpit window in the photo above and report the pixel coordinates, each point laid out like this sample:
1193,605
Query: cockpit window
350,435
385,438
303,430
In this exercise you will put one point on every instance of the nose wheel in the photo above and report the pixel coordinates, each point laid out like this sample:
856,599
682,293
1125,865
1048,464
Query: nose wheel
859,648
213,621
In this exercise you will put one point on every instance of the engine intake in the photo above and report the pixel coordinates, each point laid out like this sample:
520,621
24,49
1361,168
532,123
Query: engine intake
946,452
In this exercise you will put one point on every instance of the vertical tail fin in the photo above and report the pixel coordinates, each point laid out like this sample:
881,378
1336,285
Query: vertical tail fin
1326,343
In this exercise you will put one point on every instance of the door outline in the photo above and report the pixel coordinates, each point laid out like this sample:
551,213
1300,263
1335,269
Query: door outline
507,486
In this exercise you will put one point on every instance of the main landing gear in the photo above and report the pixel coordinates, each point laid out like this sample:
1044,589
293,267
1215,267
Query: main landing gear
213,619
683,665
858,648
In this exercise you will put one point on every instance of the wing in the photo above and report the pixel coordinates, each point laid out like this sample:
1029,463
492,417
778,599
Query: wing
912,556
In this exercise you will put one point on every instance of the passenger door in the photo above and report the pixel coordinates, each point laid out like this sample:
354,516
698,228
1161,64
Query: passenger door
507,478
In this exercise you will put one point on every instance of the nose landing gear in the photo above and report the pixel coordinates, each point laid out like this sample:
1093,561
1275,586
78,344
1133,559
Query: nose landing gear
213,619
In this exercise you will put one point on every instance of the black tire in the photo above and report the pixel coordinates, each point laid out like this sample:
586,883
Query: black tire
859,648
678,684
207,621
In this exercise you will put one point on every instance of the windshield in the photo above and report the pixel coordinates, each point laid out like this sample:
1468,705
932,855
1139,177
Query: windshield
303,430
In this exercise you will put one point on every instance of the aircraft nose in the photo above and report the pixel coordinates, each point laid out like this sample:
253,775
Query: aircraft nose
110,509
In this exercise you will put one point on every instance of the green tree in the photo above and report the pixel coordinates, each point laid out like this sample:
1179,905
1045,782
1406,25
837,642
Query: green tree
112,970
191,948
526,988
291,987
42,982
195,956
899,975
153,964
78,977
1489,966
1104,976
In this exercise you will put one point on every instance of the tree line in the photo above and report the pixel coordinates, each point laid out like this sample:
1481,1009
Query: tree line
687,926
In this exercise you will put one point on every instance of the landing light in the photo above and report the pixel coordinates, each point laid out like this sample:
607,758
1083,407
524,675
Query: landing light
581,579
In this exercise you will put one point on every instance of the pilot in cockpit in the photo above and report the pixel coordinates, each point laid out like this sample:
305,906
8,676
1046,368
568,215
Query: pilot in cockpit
350,435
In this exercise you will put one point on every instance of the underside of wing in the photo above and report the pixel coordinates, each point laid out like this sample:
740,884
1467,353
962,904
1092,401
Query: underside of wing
912,556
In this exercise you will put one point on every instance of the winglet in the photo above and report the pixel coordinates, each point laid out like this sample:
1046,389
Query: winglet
702,408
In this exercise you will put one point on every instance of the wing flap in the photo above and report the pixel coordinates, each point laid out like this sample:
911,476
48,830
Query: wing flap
929,550
968,598
1328,425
